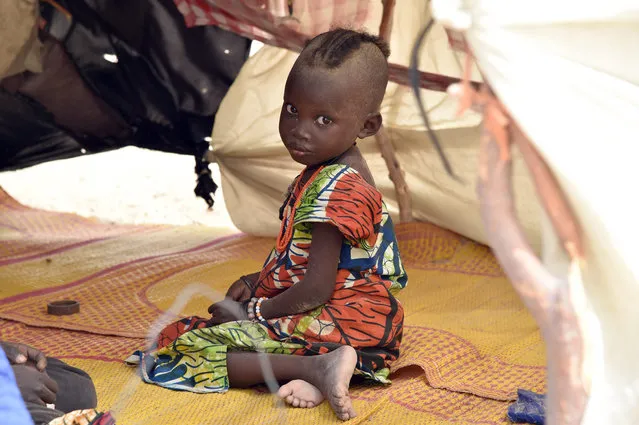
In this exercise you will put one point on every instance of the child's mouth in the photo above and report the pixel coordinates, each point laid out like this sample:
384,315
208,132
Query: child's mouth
295,153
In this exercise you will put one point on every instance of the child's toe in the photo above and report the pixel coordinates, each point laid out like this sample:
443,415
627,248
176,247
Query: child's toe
284,392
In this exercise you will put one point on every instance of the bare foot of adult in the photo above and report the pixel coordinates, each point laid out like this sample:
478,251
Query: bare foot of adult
332,376
300,393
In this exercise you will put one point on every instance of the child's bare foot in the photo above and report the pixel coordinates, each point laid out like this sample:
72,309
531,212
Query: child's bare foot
333,375
300,393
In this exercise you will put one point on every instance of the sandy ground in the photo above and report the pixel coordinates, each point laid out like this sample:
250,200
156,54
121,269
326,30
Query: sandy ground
130,185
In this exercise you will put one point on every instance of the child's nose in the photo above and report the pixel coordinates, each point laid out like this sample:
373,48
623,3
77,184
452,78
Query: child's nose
300,132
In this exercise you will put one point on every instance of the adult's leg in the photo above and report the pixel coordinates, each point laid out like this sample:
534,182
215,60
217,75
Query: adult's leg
75,387
330,373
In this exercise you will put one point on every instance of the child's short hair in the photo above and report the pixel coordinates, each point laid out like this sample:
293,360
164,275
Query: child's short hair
364,55
332,48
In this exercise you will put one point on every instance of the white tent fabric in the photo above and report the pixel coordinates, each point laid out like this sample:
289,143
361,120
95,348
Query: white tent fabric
256,169
568,72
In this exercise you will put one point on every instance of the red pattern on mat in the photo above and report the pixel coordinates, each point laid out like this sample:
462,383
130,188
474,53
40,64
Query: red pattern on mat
51,232
123,285
65,344
409,388
475,376
423,246
431,360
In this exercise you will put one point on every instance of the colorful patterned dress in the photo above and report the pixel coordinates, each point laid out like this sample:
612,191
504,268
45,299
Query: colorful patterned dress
362,312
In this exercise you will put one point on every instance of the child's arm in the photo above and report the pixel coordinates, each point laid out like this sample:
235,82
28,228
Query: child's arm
318,284
241,289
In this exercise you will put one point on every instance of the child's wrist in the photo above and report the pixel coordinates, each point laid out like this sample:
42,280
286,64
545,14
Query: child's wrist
250,309
254,309
258,309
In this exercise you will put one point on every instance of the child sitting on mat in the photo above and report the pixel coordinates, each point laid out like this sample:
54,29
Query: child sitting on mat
323,305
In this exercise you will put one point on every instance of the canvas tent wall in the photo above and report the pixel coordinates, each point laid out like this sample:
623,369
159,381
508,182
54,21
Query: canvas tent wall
256,168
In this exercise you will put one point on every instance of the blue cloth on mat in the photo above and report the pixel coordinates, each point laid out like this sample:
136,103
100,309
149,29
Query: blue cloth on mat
530,408
12,408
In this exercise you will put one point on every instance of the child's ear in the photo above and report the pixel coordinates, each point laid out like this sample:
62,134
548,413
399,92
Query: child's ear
371,125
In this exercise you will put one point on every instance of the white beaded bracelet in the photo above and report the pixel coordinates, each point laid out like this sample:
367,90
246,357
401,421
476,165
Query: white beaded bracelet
258,309
250,309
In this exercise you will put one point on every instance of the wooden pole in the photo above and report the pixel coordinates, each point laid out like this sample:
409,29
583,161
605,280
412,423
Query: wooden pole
384,143
550,300
386,26
396,175
555,304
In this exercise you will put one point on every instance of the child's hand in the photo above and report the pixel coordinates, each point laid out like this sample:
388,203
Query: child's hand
239,290
227,310
22,354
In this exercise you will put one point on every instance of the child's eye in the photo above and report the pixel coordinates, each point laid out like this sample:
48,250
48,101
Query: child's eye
322,120
291,109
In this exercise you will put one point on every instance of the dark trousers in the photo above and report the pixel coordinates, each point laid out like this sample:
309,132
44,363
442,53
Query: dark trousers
75,391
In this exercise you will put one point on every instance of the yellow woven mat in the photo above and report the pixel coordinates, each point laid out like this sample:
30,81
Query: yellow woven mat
468,343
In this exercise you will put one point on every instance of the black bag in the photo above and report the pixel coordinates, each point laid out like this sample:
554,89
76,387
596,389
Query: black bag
119,73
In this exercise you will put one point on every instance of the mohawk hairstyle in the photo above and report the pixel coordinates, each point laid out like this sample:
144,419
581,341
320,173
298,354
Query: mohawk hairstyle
332,48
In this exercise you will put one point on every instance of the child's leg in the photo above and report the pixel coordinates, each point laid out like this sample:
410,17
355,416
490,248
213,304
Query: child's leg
330,373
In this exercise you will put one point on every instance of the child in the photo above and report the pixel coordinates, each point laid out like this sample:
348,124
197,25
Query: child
323,306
